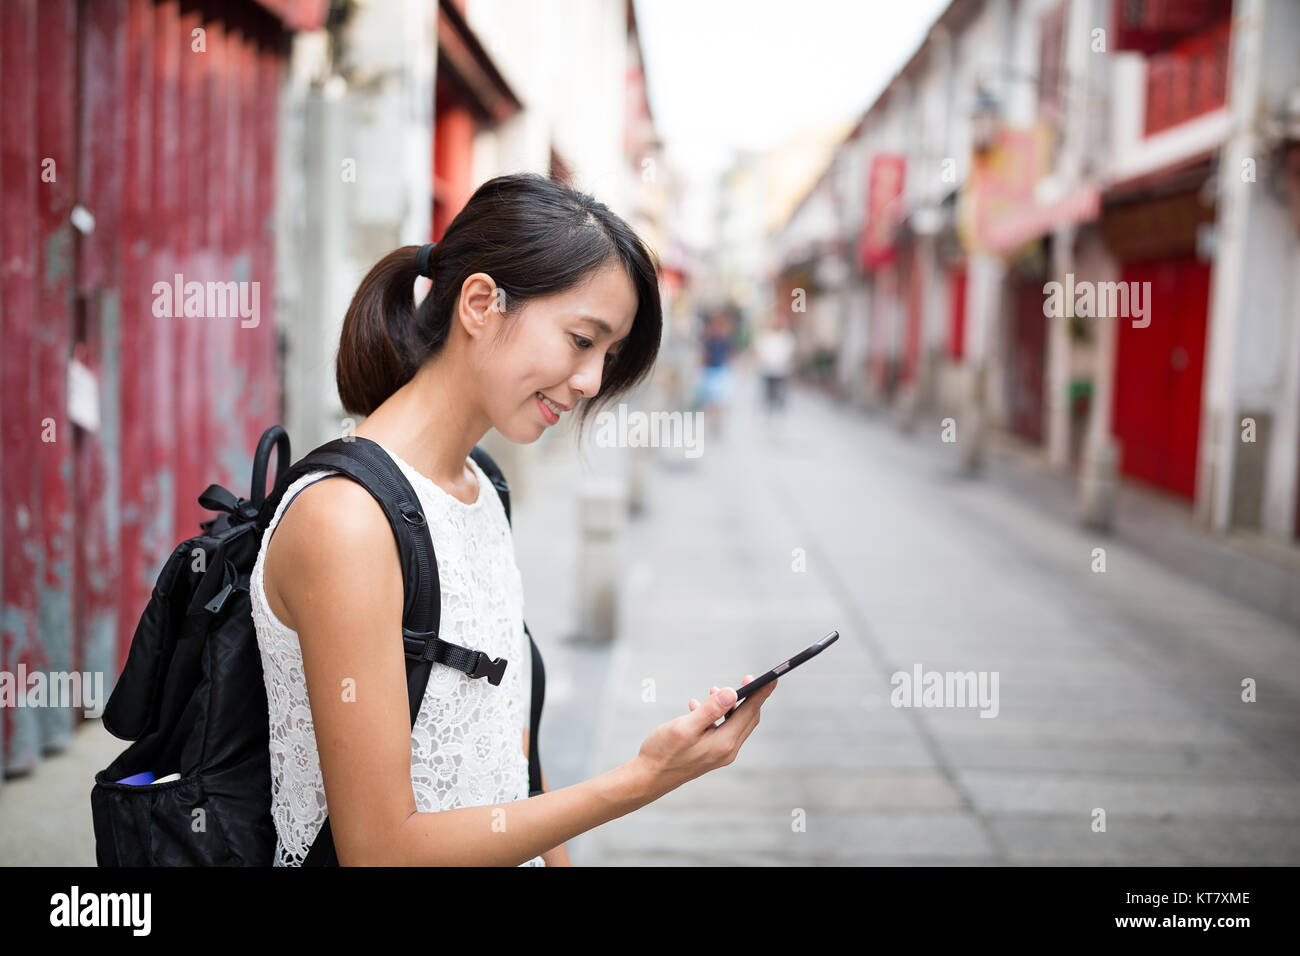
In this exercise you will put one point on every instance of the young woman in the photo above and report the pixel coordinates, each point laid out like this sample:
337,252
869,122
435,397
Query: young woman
541,299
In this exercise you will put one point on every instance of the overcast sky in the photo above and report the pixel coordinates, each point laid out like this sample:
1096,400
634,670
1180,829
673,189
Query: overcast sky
727,74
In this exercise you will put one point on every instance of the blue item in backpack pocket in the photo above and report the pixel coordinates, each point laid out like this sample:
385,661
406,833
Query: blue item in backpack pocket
139,779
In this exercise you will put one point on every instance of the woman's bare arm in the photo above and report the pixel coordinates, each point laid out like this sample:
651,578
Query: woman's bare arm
337,574
557,855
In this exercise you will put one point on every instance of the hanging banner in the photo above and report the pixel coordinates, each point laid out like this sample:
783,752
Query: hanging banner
884,210
1000,188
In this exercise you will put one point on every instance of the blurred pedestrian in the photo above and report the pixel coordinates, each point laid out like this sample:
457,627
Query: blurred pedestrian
775,347
715,389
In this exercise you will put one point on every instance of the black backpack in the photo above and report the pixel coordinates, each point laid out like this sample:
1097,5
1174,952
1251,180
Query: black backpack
191,695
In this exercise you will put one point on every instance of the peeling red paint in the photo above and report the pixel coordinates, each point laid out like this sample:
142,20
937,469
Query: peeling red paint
172,150
20,409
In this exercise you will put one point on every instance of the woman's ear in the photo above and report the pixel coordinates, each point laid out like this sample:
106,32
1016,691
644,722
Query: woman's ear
480,305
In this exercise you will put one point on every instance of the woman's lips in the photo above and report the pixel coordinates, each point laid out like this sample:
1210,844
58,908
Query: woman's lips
550,416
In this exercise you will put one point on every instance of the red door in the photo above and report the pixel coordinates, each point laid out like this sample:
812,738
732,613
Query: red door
1028,344
1158,374
957,310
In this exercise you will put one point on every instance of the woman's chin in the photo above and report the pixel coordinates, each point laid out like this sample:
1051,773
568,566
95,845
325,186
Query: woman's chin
524,434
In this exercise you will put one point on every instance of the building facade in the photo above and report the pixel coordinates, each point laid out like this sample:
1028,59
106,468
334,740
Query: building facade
138,306
1075,224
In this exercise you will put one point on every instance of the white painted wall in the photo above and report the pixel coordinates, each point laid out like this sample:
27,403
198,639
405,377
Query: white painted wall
332,228
1253,352
567,61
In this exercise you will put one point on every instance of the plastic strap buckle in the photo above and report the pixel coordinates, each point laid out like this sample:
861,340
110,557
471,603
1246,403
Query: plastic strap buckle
484,666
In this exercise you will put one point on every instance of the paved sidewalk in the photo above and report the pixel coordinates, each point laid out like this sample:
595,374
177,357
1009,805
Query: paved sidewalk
45,815
1241,564
1118,691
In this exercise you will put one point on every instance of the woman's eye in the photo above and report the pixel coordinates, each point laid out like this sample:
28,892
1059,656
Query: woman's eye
587,343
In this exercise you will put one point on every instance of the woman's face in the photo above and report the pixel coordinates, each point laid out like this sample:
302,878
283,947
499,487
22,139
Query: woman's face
555,345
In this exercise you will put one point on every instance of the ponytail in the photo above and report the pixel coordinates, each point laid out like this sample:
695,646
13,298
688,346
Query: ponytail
382,345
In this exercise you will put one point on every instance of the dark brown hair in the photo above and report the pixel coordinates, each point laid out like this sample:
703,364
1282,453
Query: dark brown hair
534,237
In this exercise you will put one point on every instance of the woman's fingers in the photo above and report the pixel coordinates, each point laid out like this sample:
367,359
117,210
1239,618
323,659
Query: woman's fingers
692,704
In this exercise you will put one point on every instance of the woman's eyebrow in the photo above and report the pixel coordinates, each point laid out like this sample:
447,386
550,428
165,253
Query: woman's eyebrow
601,324
598,323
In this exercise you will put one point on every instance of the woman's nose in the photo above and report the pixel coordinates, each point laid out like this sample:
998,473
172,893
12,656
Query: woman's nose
587,380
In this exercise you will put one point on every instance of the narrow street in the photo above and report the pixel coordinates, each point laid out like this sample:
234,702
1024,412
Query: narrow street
1119,691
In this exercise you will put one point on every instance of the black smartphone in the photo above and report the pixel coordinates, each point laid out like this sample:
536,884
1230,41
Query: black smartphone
744,690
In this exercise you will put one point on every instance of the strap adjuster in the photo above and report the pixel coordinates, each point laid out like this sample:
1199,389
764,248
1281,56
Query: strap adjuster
484,666
420,646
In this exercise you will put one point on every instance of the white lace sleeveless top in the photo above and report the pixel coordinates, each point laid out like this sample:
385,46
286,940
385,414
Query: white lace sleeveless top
467,743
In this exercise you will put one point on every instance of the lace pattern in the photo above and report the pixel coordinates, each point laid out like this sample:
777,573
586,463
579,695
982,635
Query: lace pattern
467,742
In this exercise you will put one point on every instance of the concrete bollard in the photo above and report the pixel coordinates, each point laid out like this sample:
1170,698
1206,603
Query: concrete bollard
905,409
601,504
638,467
1098,485
971,423
970,439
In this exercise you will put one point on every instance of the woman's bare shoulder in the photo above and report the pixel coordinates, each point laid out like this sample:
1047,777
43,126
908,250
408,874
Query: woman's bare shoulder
333,535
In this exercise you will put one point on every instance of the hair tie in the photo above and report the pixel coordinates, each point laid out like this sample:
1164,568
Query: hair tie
422,259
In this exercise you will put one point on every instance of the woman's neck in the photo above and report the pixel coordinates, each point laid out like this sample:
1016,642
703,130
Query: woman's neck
433,423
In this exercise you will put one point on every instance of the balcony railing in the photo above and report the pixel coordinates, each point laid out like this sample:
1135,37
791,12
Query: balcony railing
1188,80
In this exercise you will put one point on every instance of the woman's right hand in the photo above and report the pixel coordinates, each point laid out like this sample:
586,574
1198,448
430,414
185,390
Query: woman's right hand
690,745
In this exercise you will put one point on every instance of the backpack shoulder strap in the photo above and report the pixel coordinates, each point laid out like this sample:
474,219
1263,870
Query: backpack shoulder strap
389,487
535,718
370,466
499,482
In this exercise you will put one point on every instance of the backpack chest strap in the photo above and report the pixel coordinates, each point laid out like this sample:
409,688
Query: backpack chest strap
429,647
